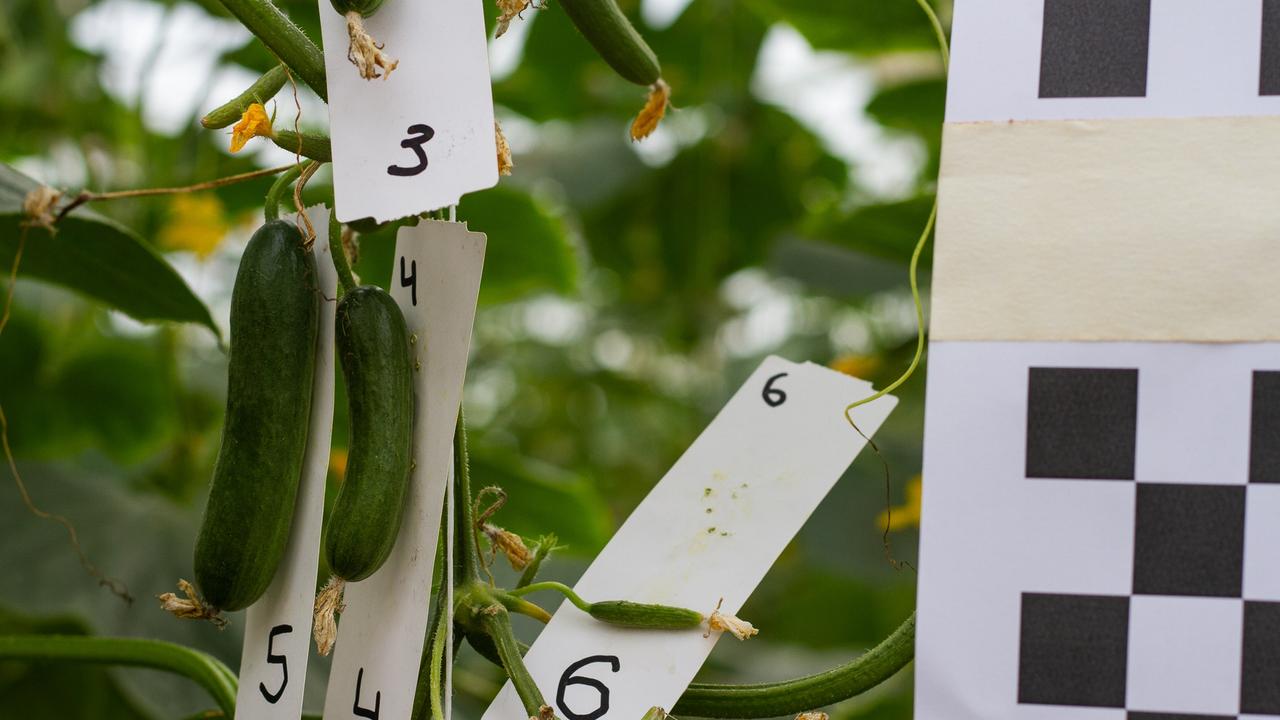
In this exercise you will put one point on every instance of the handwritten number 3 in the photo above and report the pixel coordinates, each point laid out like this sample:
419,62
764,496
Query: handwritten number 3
568,678
773,397
418,136
276,659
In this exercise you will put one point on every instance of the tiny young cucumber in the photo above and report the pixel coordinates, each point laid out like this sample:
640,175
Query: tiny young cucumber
644,615
373,347
262,90
602,23
275,311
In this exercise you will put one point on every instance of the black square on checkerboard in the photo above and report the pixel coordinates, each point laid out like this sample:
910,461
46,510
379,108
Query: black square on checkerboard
1189,540
1082,423
1074,650
1095,48
1264,428
1269,75
1260,666
1176,716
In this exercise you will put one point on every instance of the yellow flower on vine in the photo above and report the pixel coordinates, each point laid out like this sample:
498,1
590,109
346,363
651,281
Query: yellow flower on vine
253,123
196,222
906,515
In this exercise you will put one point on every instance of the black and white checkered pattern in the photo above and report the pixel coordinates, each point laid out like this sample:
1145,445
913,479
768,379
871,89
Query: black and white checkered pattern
1198,637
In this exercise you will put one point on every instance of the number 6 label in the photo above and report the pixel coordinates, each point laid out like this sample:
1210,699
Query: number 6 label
726,510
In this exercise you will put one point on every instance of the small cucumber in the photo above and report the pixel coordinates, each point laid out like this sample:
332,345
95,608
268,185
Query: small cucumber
625,613
602,23
373,347
262,90
275,311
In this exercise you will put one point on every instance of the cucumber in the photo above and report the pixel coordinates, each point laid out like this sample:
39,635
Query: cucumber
364,7
625,613
602,23
373,347
262,90
275,311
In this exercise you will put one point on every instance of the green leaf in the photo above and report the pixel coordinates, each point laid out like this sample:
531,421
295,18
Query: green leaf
97,257
529,249
889,231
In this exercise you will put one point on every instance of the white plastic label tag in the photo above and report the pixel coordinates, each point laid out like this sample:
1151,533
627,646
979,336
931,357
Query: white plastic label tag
423,136
708,531
277,634
436,282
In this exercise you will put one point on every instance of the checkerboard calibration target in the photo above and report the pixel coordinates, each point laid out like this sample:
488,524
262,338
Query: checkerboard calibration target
1193,618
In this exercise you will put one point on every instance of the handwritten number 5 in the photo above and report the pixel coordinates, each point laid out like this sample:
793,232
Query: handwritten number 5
276,659
568,678
410,280
418,136
773,397
366,712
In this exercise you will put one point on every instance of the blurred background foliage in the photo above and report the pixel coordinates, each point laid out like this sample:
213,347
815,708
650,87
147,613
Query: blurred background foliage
629,289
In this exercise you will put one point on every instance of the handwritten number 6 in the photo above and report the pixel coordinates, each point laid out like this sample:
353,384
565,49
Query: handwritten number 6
366,712
773,397
568,678
276,659
410,280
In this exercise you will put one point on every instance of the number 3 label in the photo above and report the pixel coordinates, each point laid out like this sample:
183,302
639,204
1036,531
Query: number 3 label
568,678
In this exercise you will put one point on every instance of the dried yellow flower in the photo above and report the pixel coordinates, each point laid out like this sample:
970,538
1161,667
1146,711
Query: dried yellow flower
505,164
509,10
253,123
653,111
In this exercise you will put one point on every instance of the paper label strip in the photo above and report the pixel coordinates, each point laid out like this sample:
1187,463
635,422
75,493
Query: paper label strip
423,136
436,282
709,530
277,634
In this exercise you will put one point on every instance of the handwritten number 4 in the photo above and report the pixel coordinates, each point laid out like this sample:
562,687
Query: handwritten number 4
276,659
773,397
418,136
366,712
410,280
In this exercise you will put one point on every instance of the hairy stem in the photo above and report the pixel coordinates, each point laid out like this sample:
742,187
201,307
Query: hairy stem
546,544
789,697
339,254
496,623
271,206
467,555
524,607
561,588
205,670
313,145
283,38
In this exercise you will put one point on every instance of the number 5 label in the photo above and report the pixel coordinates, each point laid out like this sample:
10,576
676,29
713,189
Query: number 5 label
709,530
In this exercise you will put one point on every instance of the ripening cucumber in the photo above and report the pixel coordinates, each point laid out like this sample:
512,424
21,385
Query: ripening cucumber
625,613
275,311
373,347
602,23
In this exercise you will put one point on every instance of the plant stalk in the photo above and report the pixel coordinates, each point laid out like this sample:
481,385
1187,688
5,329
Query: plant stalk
788,697
283,38
496,623
207,671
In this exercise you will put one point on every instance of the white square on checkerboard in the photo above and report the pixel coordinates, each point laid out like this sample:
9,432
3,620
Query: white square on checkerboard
1062,712
1184,654
1195,397
1262,542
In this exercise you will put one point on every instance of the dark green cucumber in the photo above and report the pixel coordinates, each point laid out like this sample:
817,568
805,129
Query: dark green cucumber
364,7
275,309
373,347
602,23
643,615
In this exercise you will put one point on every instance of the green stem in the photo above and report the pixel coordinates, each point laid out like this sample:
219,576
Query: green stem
789,697
561,588
339,254
307,144
271,206
496,623
205,670
524,607
262,90
283,38
467,552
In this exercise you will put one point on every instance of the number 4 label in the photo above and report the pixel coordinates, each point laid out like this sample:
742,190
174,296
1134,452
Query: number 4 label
709,530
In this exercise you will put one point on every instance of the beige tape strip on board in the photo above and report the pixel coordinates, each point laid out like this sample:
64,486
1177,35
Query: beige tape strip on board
1158,229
